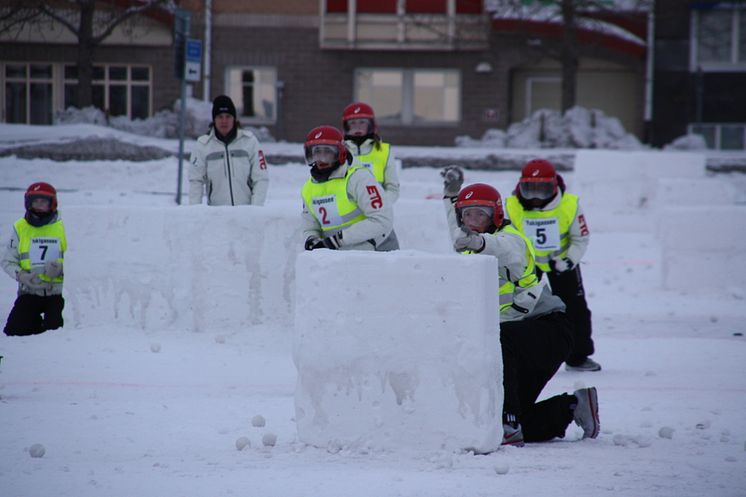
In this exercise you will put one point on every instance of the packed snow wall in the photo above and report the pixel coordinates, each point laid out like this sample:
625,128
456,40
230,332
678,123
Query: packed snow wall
397,350
197,268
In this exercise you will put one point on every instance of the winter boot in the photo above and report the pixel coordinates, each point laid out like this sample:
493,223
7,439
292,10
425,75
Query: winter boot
587,365
585,413
512,432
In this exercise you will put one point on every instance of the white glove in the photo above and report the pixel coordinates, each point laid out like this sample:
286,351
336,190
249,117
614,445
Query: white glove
469,241
53,269
561,265
453,178
32,281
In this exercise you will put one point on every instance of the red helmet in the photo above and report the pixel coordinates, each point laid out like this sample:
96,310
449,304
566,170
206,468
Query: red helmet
538,180
481,195
44,190
359,110
325,135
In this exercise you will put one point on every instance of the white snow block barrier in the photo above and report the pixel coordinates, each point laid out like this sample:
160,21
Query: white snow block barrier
703,247
383,365
195,268
625,183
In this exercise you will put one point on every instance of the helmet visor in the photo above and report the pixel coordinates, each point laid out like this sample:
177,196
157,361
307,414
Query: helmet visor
540,190
358,127
324,154
39,203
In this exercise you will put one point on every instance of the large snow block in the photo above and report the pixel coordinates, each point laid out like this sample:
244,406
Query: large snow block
625,183
386,365
198,268
703,247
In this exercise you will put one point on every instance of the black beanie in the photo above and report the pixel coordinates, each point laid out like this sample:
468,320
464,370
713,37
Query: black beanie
223,103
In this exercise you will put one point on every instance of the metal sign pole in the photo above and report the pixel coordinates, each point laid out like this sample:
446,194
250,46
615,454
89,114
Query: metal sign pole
182,23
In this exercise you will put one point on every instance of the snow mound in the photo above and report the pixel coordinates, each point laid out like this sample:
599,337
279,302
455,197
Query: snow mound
687,142
162,124
577,128
89,149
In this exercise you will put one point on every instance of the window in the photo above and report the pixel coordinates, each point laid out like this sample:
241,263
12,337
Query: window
731,136
28,93
719,38
254,91
123,90
411,96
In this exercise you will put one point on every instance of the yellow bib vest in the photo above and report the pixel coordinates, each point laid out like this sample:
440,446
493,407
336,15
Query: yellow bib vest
329,204
527,279
549,231
38,245
375,161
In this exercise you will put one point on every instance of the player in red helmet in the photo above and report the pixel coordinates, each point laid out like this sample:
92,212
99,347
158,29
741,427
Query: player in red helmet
554,221
368,150
343,205
34,257
535,333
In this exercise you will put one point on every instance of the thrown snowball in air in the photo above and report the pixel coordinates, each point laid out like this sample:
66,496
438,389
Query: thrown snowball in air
243,442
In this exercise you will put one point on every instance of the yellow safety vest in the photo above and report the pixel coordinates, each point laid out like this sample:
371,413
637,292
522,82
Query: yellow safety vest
329,204
549,231
375,161
527,279
38,245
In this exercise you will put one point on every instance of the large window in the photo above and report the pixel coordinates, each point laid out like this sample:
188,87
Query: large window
719,38
254,91
28,93
411,96
123,90
730,136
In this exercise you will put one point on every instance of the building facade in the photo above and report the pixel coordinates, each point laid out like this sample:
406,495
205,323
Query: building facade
432,69
700,72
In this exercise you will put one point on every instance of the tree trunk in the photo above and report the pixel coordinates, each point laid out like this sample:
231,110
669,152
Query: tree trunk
85,53
569,55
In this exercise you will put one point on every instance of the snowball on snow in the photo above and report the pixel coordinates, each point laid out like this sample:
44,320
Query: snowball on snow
155,347
258,421
242,442
37,450
269,439
666,432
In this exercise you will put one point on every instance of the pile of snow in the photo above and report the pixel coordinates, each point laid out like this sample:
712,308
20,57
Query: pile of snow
379,369
163,124
687,142
577,128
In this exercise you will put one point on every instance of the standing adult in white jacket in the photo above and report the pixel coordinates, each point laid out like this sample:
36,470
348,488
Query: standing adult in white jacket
343,205
227,164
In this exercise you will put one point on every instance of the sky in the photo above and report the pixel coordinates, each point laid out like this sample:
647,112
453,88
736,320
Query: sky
180,338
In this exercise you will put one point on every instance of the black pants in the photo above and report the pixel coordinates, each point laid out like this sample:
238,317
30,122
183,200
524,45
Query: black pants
568,286
33,314
532,352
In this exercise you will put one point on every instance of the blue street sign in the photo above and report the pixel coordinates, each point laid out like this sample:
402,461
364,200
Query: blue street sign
194,50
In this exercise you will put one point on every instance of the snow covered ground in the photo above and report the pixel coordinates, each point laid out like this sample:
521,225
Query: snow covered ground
179,334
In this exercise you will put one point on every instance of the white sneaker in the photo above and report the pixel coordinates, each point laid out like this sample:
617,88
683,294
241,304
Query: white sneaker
586,412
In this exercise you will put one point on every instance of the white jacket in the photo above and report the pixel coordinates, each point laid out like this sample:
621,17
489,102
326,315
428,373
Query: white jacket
390,171
510,251
369,233
233,174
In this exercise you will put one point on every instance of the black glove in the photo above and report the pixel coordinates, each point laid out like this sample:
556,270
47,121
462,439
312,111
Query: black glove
313,242
333,242
453,178
561,265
